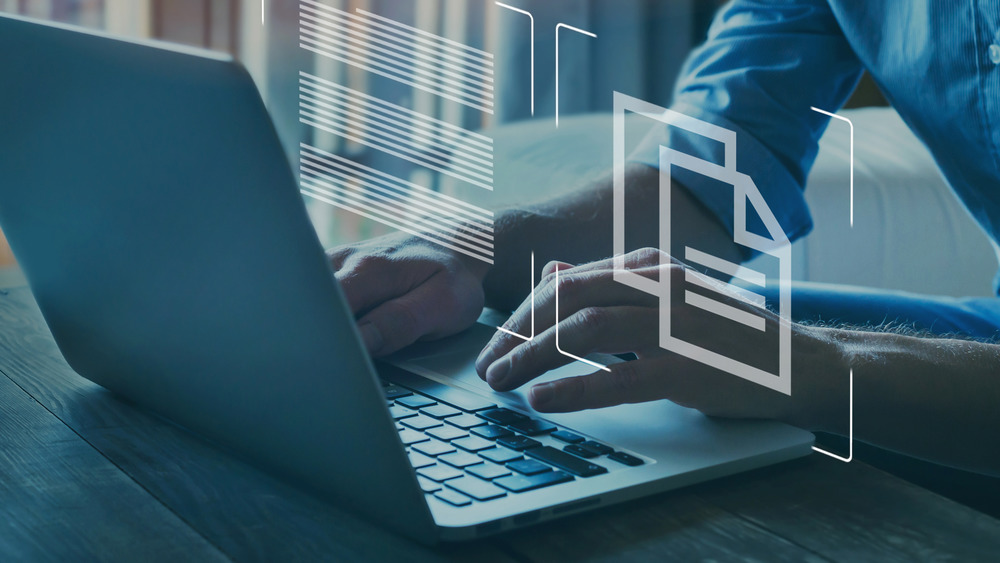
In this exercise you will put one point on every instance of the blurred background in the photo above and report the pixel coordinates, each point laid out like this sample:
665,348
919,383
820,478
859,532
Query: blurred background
640,48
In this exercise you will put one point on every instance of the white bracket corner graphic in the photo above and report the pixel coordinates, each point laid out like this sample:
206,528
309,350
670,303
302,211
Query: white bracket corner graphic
531,279
776,244
850,427
577,30
850,124
531,23
558,348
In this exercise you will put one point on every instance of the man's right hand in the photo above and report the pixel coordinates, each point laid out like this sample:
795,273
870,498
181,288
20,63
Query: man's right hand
403,288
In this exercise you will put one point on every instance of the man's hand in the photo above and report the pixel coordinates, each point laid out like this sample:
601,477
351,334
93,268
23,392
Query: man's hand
403,289
601,315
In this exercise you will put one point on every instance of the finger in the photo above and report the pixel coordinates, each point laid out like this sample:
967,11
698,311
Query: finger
578,289
593,329
338,256
373,279
540,306
554,265
641,258
518,328
647,262
626,382
425,312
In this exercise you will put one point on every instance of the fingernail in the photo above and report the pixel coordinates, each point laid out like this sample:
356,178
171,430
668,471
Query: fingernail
497,372
541,394
372,337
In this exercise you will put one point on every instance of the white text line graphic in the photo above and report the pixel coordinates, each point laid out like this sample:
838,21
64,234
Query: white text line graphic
395,130
391,201
385,47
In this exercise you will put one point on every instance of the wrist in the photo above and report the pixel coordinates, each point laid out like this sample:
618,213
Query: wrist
821,360
506,281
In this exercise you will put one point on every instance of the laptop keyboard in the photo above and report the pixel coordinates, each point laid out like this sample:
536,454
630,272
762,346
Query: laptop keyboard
466,449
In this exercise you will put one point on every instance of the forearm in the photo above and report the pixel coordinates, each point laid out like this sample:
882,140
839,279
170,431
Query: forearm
578,228
937,399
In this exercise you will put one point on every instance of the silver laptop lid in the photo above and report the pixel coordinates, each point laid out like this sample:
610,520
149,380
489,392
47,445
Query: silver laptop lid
147,198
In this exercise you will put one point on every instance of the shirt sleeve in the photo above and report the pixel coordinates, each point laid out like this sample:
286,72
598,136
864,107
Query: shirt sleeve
764,65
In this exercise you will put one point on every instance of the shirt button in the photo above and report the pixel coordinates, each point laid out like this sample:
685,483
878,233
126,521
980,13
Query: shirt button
995,53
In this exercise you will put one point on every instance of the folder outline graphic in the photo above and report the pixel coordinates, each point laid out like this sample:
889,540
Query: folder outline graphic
776,244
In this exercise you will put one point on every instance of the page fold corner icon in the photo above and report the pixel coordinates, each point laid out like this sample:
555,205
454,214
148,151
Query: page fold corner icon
745,280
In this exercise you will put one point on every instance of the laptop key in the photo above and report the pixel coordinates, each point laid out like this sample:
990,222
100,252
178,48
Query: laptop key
500,455
519,443
502,416
418,460
627,459
434,448
532,426
416,401
460,459
399,411
476,488
491,432
567,436
469,402
528,467
576,450
439,472
440,411
409,437
488,471
447,433
393,391
473,444
421,422
598,447
453,497
465,421
522,483
427,486
566,462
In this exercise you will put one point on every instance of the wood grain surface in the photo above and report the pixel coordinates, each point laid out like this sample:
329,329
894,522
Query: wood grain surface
86,475
6,256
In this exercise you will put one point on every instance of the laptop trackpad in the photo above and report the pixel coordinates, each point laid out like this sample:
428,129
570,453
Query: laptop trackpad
452,361
651,428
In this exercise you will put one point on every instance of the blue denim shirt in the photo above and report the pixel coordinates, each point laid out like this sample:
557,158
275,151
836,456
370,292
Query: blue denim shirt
767,61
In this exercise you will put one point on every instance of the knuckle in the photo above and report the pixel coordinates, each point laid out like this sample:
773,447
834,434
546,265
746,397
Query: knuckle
551,266
527,352
649,255
571,286
593,318
624,378
368,261
547,280
505,341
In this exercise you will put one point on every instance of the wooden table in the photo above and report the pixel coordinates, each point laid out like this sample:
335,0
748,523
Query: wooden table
84,475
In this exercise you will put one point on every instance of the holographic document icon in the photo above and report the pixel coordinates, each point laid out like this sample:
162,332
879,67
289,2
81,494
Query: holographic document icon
709,294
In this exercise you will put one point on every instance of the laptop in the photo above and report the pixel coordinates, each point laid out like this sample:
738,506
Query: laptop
146,195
